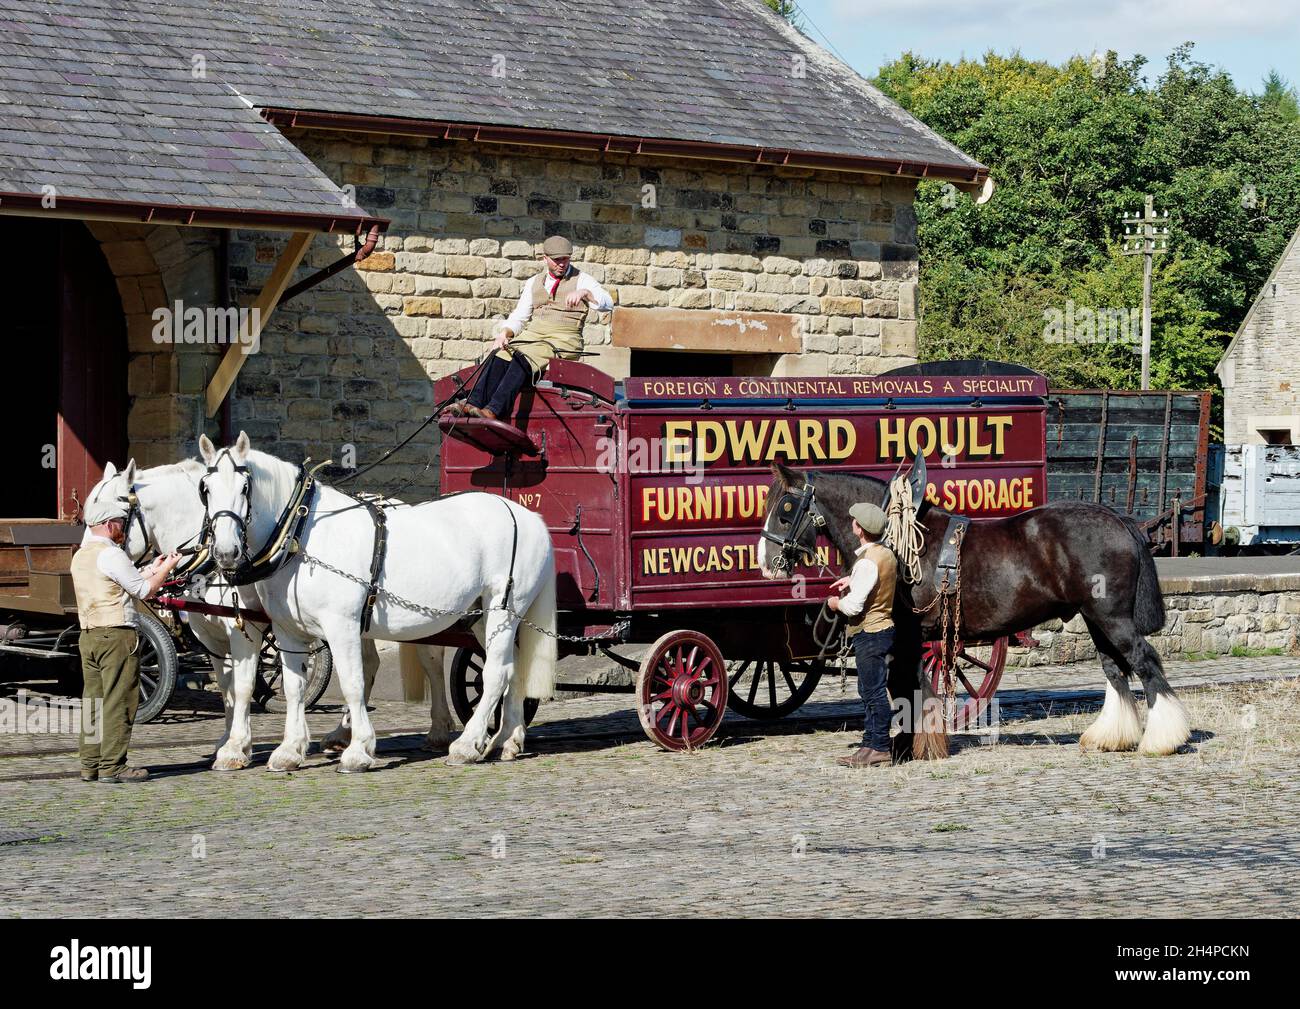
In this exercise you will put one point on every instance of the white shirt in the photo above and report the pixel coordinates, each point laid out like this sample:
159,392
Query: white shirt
115,564
862,579
524,309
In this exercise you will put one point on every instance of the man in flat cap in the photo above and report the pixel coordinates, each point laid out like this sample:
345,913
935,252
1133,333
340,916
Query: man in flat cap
546,323
868,607
105,581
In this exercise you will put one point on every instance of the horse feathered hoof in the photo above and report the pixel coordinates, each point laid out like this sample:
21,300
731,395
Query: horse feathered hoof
463,752
1168,727
283,760
355,759
230,763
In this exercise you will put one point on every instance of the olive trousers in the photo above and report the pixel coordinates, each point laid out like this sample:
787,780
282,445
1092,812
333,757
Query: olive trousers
110,670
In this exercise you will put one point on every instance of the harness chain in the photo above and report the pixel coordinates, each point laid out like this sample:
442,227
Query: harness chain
434,611
906,536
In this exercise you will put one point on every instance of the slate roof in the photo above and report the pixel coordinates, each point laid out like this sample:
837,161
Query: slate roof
96,108
101,95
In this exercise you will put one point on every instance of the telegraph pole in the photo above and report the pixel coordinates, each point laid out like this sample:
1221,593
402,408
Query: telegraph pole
1144,237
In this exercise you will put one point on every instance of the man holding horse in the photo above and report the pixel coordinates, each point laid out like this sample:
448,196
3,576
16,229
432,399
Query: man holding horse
868,608
546,323
105,581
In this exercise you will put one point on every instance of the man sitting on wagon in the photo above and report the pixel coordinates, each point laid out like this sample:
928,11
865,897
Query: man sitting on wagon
869,609
546,323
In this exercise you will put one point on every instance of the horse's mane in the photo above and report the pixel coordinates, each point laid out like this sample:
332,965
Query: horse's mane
191,469
273,481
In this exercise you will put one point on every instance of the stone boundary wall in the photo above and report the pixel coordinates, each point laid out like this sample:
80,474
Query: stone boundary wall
1204,616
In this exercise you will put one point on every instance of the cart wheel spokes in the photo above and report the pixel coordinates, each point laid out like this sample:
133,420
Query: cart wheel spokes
978,677
158,665
681,690
767,689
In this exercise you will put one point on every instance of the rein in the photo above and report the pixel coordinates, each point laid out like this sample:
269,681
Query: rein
799,514
284,541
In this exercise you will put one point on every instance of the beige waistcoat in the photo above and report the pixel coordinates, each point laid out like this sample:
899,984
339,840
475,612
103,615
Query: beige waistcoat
101,602
878,612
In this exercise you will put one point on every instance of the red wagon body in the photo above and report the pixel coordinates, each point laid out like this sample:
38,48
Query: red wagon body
654,490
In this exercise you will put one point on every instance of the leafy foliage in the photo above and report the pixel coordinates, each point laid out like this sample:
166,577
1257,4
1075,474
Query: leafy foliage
1074,148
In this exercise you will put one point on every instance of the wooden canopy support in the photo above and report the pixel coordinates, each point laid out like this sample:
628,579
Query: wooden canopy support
262,307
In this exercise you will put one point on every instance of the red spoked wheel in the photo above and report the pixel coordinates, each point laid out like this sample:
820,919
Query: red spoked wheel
681,690
978,676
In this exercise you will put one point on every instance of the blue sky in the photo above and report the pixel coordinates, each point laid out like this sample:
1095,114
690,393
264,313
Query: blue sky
1245,37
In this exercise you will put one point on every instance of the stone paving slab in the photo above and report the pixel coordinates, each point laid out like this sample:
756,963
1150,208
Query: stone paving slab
596,821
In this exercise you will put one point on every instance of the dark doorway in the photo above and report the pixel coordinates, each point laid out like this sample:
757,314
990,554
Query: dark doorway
64,411
700,364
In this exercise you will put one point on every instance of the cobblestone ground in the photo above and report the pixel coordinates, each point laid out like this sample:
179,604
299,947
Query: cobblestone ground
597,821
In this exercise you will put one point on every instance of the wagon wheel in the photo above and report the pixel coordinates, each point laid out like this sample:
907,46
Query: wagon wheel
465,687
979,677
268,691
157,667
766,689
681,690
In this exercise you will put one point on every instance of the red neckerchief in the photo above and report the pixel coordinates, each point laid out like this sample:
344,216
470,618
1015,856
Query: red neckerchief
552,282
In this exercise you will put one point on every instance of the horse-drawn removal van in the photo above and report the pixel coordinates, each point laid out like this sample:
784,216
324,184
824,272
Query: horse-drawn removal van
655,490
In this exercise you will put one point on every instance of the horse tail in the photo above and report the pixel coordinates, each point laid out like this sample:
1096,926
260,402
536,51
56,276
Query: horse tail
1148,600
538,649
415,662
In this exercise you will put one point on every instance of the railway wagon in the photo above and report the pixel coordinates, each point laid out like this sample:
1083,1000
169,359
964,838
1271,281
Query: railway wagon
655,490
1142,453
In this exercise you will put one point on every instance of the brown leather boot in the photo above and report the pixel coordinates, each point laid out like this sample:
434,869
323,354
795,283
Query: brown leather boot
487,414
124,776
866,757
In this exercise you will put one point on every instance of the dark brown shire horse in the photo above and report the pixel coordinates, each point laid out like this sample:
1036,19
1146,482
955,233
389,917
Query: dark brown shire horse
1051,562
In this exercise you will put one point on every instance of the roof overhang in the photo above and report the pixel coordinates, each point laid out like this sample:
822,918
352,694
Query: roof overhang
963,175
127,211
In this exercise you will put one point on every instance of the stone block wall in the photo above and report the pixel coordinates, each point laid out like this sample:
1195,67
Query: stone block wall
1261,374
352,361
1199,623
154,267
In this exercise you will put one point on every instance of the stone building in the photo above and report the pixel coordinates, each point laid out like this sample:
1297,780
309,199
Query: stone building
746,198
1260,370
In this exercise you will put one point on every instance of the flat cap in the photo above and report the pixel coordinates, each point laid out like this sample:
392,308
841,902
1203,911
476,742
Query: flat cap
869,516
557,245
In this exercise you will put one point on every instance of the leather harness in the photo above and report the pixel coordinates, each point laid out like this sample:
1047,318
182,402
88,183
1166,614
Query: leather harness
945,571
376,561
284,540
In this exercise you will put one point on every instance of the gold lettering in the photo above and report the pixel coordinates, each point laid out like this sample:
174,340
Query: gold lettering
975,447
891,437
677,442
704,452
810,440
922,424
999,425
782,441
746,442
843,446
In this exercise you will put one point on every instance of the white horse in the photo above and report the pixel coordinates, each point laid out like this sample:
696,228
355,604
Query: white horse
170,516
448,557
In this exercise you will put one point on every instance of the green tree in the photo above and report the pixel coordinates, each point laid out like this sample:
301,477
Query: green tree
1073,148
1279,96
